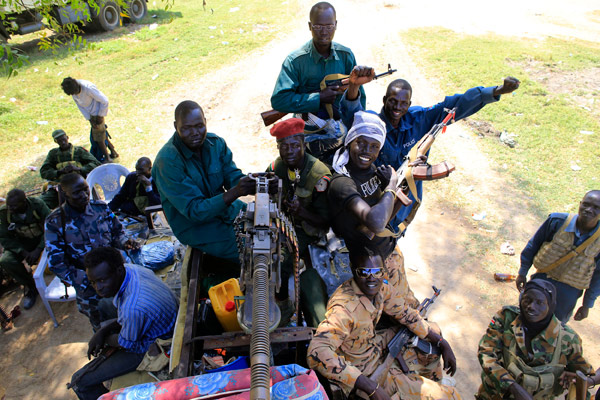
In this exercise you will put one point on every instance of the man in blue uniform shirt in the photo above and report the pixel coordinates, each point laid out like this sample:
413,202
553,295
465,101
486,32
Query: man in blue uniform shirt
146,311
406,125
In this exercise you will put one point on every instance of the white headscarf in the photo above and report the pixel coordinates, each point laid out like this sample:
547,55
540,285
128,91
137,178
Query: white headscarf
365,124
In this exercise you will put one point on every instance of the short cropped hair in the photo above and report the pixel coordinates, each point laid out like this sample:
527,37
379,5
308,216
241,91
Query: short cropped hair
358,251
97,256
143,160
67,180
400,84
16,193
185,107
70,86
321,6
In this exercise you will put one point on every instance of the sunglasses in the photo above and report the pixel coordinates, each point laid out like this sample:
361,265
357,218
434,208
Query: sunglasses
365,272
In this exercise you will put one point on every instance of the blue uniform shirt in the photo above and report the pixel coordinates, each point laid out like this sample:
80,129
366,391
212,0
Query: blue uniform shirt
414,125
545,234
147,309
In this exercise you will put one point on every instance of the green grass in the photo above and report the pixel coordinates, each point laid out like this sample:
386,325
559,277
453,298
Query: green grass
546,118
134,66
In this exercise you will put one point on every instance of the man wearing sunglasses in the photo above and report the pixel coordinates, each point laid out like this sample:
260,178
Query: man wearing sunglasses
346,348
298,87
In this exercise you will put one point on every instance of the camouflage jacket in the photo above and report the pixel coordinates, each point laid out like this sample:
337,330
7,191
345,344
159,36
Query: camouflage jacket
505,327
346,344
96,226
15,229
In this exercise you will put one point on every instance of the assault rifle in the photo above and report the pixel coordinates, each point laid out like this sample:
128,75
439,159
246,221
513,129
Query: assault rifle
415,168
272,116
403,338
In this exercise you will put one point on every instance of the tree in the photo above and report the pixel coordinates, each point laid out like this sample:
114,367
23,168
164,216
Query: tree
66,20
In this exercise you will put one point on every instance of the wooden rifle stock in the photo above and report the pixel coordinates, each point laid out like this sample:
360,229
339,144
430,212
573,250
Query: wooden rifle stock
272,116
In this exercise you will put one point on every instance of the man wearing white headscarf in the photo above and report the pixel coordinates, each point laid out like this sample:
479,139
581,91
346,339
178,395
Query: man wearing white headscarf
362,195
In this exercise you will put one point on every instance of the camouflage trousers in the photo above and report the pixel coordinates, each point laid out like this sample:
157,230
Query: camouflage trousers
396,276
96,308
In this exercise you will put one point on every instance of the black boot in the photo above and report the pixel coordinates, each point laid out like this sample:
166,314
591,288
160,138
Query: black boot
30,297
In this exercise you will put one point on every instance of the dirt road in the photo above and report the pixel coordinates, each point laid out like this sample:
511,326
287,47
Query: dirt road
38,359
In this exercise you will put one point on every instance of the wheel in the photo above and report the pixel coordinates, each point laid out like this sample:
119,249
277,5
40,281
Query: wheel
137,9
109,16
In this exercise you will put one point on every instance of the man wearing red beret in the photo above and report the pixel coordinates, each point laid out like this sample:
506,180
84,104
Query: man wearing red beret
305,182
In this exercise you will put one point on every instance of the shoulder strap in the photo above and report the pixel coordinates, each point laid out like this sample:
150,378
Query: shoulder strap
573,252
557,349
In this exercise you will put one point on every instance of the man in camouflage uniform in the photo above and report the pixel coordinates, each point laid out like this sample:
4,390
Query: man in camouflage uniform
62,160
22,236
347,350
513,332
305,181
74,229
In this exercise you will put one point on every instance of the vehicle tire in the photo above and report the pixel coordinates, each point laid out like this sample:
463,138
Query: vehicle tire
109,16
137,10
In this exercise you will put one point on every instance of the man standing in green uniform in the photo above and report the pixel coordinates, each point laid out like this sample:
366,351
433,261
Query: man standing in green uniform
199,185
299,86
22,236
305,182
62,160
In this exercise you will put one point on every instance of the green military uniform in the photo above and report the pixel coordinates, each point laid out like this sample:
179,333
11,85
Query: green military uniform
22,232
502,357
57,160
310,187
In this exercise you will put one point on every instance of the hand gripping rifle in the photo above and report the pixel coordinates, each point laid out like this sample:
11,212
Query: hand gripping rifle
261,230
415,168
402,339
272,116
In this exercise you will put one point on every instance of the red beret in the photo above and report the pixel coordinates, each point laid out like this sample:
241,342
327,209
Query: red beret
289,127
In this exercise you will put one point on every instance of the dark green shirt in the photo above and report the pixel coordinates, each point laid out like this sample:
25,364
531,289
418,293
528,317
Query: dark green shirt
14,229
50,167
297,87
191,189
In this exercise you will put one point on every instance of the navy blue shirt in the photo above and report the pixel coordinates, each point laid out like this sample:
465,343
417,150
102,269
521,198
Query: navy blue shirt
414,125
545,233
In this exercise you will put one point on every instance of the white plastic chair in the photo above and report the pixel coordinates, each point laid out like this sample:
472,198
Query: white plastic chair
55,291
106,180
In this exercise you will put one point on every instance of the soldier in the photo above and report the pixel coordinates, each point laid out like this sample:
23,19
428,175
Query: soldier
62,160
361,195
347,350
74,229
526,350
406,125
138,191
566,252
22,236
305,181
200,185
298,88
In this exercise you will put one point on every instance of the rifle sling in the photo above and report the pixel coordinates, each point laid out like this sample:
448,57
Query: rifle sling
573,252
